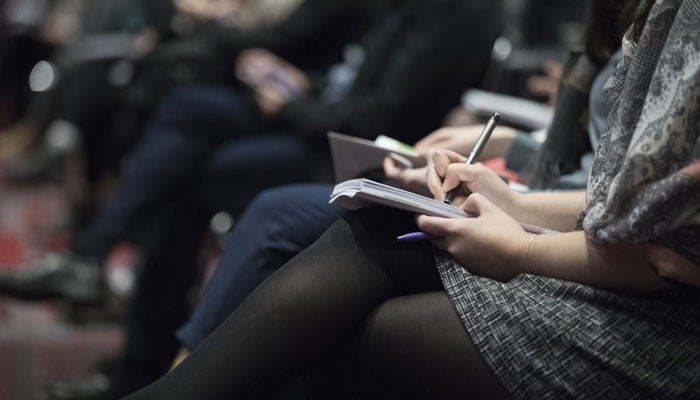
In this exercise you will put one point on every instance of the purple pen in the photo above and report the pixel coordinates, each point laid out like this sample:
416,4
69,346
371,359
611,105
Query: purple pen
413,237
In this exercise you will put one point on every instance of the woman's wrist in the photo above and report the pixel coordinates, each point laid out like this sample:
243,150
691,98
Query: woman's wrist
527,268
519,250
514,204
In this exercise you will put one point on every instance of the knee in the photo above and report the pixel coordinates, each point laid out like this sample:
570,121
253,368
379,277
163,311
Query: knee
272,219
179,99
191,103
296,204
270,207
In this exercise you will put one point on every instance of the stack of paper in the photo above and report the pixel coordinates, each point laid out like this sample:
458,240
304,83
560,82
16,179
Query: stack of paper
357,193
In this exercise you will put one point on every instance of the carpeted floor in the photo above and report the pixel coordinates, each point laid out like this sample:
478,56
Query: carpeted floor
39,343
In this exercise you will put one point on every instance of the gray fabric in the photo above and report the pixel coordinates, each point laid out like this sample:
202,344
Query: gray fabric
598,104
551,339
645,183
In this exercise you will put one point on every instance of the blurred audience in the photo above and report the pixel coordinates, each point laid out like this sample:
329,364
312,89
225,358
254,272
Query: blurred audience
281,222
485,309
317,31
214,101
102,87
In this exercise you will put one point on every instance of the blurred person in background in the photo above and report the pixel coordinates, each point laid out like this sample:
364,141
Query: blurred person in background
92,98
314,33
485,309
281,222
408,60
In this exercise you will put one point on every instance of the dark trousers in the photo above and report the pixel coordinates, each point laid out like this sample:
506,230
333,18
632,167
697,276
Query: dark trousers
277,224
206,149
201,135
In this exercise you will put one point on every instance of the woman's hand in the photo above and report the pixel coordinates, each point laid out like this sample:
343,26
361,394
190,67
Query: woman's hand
221,10
274,81
450,171
492,244
194,8
412,179
671,265
462,139
546,84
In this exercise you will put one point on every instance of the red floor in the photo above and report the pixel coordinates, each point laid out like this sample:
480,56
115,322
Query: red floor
37,344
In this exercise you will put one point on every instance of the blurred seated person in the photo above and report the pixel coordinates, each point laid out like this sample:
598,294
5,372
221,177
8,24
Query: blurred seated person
485,305
408,71
408,61
108,85
281,222
30,30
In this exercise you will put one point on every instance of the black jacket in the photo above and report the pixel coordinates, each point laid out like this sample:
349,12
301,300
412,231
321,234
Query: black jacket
419,59
311,37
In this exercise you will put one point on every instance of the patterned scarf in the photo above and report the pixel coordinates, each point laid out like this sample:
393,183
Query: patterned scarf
645,181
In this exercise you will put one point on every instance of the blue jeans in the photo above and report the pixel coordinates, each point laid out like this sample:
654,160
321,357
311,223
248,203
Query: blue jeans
278,224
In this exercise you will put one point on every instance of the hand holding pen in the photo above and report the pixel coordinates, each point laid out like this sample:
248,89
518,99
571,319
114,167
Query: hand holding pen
476,151
475,178
439,178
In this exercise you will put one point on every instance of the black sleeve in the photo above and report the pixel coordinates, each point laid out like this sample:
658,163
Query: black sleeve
158,14
441,48
313,27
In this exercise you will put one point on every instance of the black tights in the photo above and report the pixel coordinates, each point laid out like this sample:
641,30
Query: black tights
365,313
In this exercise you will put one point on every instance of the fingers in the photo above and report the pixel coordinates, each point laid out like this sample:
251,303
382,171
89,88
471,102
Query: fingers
450,172
453,138
553,68
269,99
671,265
434,182
461,173
477,204
432,140
436,226
390,169
443,158
253,64
440,160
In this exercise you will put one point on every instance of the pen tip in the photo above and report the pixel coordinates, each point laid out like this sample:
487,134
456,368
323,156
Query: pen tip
496,116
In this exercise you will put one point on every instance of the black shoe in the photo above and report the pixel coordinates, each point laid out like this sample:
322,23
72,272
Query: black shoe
98,386
42,165
56,276
103,384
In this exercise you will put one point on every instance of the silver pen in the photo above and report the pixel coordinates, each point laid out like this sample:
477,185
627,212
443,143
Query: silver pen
476,151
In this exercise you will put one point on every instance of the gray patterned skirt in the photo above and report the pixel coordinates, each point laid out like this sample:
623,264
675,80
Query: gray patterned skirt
550,339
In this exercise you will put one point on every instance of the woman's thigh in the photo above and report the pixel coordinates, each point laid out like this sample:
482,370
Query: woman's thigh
416,347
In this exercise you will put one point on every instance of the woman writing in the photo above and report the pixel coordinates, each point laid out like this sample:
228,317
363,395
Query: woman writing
611,310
